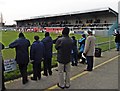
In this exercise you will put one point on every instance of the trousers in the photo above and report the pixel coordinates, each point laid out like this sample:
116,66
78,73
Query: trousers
23,71
47,66
89,63
64,74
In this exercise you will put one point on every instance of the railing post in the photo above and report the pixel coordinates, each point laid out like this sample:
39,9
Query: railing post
109,42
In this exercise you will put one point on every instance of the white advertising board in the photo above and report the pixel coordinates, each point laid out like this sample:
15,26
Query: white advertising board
10,65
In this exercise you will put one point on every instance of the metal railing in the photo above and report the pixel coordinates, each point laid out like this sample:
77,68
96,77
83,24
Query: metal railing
109,45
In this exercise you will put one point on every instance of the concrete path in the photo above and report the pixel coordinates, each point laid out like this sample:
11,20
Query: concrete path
104,76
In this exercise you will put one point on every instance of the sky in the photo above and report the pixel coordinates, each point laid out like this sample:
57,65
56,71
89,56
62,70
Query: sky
22,9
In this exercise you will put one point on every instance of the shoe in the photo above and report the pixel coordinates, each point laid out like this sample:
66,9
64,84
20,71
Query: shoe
85,63
24,82
45,74
60,86
67,86
50,74
72,64
39,78
76,64
32,78
82,62
3,89
87,70
56,69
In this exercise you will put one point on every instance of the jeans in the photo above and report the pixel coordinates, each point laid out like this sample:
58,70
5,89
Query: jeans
118,46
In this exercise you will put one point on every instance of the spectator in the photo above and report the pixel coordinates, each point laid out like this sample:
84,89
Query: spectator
54,41
22,55
64,48
81,48
3,69
36,55
117,40
48,43
89,50
74,52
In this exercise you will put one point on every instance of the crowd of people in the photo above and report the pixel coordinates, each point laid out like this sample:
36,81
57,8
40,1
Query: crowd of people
41,50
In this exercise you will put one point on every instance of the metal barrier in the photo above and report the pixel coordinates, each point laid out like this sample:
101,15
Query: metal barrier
108,45
98,45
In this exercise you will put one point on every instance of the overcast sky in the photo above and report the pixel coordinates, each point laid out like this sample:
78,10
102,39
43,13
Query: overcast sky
20,9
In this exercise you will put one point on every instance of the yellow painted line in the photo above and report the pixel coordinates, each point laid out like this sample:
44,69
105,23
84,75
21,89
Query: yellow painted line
53,87
85,72
74,77
106,61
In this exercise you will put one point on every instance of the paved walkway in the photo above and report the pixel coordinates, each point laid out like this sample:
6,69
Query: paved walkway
104,76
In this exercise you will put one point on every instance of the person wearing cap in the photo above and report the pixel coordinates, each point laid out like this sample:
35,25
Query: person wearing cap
89,50
36,55
21,46
64,47
47,62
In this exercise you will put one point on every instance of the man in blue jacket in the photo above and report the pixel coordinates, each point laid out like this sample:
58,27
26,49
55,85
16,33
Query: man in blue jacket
48,43
21,46
36,55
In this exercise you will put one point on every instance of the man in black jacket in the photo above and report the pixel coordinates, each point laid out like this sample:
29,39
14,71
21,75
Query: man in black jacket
22,55
64,47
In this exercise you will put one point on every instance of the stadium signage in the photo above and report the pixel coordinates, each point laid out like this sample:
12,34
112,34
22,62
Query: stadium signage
10,65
